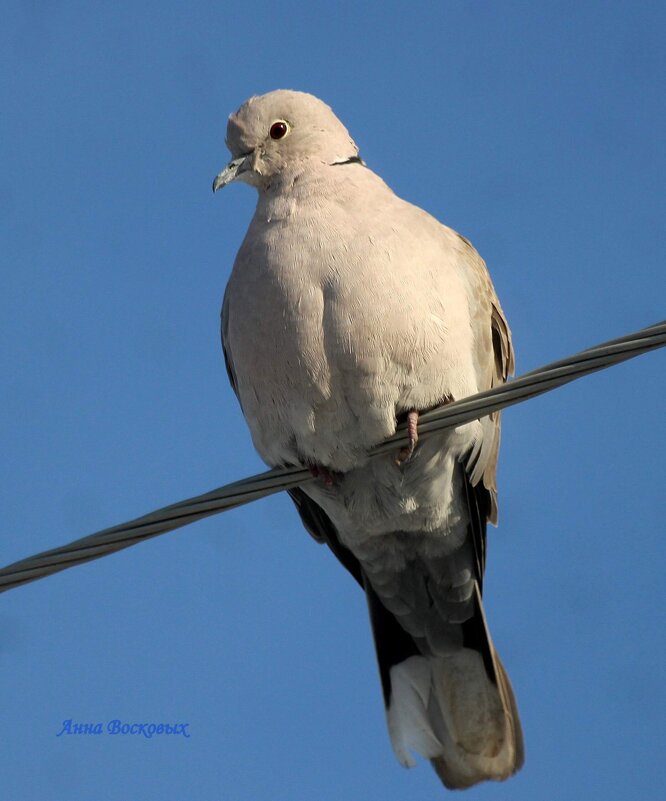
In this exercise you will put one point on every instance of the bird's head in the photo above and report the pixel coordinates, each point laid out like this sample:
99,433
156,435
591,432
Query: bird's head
279,132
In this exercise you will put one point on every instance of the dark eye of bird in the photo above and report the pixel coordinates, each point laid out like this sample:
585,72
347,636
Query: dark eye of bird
278,129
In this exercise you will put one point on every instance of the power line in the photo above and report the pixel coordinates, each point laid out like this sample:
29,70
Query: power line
250,489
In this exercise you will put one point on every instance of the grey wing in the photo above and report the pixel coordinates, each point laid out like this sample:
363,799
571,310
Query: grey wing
318,524
393,644
494,363
224,334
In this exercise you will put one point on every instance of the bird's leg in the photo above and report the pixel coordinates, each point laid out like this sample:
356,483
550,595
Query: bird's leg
318,471
412,434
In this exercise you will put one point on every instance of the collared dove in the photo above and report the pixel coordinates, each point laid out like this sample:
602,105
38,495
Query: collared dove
347,310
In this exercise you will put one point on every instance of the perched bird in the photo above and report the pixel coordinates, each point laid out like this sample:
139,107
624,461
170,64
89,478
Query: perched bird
347,311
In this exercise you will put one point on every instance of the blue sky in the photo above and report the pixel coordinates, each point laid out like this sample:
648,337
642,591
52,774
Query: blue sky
537,130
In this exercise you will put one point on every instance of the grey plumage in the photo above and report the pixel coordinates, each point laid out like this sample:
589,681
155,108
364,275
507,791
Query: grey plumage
348,307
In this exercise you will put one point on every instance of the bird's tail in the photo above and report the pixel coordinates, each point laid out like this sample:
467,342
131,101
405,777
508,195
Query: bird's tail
458,710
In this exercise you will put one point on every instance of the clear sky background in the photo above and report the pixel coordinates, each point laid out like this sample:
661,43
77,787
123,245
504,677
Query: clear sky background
536,130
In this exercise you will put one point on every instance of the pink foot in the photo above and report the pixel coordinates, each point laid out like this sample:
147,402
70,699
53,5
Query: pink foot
413,435
323,473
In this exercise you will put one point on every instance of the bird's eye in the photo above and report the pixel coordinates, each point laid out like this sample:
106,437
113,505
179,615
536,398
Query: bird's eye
278,129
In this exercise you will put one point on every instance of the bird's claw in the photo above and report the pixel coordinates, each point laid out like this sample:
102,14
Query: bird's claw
405,453
318,471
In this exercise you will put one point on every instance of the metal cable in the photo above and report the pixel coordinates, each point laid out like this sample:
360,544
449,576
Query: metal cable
453,414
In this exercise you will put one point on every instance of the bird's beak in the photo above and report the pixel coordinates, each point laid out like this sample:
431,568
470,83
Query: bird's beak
232,171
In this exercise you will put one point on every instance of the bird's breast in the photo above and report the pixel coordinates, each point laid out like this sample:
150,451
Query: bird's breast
331,338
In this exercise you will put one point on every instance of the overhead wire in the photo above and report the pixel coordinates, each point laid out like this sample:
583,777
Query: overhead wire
518,390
